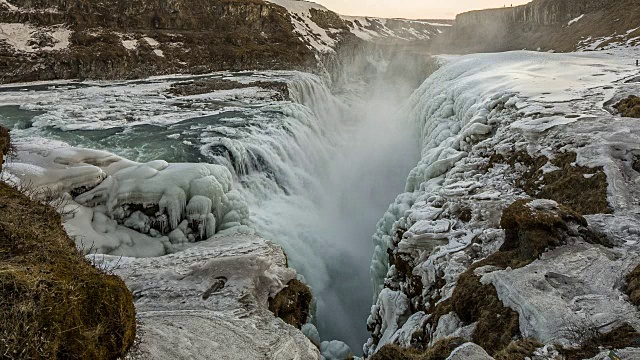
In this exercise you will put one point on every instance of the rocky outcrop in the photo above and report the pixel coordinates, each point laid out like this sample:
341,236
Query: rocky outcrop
560,25
539,12
467,253
212,301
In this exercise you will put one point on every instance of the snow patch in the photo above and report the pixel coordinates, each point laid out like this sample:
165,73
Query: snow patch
573,21
18,36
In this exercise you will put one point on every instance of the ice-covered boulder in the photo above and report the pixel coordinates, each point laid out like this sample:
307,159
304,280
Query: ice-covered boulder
120,207
211,302
335,350
469,351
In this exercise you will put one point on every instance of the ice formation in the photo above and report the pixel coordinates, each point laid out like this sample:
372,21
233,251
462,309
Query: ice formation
484,104
210,301
290,164
121,207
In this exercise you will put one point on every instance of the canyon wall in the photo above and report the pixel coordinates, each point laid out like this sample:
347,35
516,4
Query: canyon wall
558,25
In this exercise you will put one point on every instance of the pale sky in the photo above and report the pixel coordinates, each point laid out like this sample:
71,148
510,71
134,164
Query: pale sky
412,9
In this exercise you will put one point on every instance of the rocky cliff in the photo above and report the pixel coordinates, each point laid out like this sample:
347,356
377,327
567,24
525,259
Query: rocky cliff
560,25
115,39
53,39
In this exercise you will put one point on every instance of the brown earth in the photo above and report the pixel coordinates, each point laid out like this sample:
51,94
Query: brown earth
53,303
292,303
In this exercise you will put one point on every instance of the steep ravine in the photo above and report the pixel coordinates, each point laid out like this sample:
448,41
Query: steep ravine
297,164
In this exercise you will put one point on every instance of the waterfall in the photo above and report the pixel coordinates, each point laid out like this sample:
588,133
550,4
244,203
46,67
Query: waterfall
316,179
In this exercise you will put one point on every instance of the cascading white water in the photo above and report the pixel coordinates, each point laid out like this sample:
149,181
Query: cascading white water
316,172
327,176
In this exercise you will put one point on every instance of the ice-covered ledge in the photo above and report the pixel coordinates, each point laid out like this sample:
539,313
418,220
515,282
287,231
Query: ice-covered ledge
211,302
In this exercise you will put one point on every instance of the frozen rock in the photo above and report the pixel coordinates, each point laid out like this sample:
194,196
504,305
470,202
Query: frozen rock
335,350
570,288
624,354
469,351
309,330
116,203
543,204
211,302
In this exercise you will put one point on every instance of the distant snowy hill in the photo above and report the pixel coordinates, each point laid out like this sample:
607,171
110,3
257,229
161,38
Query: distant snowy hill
321,28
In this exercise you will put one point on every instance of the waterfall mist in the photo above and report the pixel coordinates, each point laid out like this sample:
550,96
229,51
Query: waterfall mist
325,225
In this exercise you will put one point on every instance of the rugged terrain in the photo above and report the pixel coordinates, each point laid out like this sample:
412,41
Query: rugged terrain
518,231
53,302
558,25
46,40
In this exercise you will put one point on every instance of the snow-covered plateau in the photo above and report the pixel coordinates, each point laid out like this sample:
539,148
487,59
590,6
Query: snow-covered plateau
195,197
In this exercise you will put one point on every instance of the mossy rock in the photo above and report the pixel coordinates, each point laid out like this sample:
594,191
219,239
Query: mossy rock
633,286
580,188
629,107
439,351
53,302
529,232
623,336
292,303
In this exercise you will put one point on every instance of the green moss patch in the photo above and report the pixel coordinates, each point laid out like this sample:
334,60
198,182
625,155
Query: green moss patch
292,303
619,338
53,302
629,107
439,351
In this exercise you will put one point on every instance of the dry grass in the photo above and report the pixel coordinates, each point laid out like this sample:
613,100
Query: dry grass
619,338
568,186
292,303
53,303
633,286
528,235
518,350
629,107
439,351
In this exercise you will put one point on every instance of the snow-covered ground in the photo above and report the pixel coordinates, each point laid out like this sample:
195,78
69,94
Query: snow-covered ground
479,105
23,37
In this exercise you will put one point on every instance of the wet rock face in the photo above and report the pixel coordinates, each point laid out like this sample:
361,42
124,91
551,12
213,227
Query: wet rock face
539,12
559,25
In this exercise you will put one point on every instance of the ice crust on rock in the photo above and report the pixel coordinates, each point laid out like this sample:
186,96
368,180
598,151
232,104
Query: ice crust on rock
335,350
469,351
570,289
121,207
211,302
480,105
